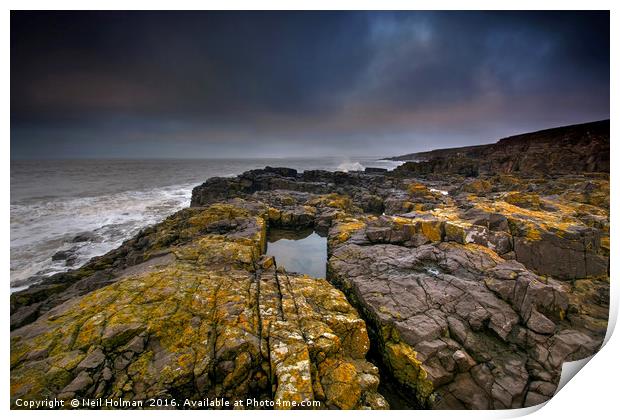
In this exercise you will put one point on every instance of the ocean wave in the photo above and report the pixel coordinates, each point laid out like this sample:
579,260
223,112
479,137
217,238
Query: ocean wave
388,163
350,166
87,199
442,192
42,228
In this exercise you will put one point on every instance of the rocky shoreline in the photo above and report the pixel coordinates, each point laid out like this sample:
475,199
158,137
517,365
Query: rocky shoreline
469,283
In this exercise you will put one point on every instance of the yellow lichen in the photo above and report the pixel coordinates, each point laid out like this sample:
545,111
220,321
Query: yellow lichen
407,368
345,228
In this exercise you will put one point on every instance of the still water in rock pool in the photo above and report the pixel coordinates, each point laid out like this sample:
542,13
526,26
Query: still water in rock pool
299,251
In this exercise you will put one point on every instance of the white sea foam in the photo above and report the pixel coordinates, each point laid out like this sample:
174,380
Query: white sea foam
388,164
442,192
350,166
42,228
53,201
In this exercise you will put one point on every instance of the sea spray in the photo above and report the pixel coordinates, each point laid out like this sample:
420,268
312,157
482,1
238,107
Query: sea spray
348,166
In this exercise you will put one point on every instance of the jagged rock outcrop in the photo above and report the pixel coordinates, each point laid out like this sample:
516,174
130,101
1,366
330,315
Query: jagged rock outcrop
473,296
366,190
213,319
567,150
458,324
470,291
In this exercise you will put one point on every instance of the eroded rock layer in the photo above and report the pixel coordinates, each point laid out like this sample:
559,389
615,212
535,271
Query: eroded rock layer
473,292
567,150
205,317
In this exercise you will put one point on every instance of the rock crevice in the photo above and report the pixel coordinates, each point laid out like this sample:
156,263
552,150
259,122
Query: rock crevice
474,285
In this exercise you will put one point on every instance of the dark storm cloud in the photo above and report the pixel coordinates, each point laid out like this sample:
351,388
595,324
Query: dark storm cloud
201,84
179,63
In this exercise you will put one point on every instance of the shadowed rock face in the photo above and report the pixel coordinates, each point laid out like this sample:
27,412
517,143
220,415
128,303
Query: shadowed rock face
476,302
567,150
472,292
460,325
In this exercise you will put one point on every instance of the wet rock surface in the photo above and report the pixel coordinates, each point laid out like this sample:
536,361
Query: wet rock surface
469,291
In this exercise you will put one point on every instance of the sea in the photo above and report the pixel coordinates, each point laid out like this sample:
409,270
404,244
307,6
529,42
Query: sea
106,202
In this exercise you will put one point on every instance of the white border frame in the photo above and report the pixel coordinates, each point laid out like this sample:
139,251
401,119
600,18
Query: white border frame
592,395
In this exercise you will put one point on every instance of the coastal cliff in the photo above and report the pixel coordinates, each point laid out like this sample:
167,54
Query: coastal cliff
465,281
564,150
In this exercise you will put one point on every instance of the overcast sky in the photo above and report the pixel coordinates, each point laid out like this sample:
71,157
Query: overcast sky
265,84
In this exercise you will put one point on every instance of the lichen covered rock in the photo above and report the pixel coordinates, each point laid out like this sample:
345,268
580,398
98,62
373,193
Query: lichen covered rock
211,322
471,289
